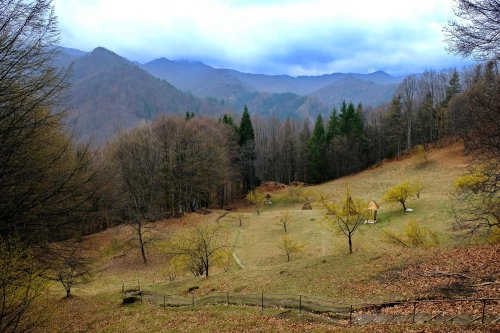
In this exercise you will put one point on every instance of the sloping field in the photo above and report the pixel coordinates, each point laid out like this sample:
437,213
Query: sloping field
377,270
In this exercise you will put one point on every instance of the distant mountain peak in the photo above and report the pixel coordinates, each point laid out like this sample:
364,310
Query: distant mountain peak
106,57
101,49
383,75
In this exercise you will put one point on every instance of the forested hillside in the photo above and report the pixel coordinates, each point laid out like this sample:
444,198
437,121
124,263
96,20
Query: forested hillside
108,93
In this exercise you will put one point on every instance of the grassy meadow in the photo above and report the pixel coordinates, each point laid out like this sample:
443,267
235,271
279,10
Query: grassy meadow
376,271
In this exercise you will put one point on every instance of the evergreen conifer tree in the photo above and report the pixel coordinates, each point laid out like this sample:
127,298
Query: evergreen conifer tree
333,126
246,129
317,152
248,150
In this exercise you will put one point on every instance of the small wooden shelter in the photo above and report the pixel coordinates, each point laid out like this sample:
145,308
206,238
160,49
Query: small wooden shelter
373,208
268,199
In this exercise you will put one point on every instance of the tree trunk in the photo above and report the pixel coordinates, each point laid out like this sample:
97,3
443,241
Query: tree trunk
403,204
350,244
141,242
408,134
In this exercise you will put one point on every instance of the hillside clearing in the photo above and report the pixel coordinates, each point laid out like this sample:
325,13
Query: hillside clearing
376,272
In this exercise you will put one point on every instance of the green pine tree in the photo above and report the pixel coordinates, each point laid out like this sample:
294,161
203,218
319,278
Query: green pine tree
317,151
347,116
246,131
248,151
333,126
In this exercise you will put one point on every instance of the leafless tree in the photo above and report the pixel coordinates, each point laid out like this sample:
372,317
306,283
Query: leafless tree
407,91
45,180
345,216
68,264
477,196
137,159
202,249
477,32
285,220
290,246
20,284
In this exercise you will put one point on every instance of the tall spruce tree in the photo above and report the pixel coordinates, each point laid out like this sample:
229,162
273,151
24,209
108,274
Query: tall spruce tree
332,132
333,126
348,119
246,129
247,143
317,151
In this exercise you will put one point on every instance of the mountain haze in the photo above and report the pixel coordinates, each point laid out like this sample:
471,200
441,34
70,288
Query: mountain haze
203,80
304,85
198,78
109,93
353,89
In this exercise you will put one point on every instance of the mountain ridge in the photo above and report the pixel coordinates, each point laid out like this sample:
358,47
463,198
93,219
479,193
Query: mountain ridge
109,92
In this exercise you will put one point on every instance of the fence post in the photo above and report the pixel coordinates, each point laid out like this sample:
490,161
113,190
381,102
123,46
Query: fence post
300,304
350,315
227,299
139,284
123,289
414,310
262,303
164,302
484,311
141,296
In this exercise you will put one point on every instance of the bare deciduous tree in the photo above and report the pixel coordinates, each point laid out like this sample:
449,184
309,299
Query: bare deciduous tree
285,220
407,91
46,183
477,33
290,246
345,216
202,249
44,180
20,285
68,264
138,160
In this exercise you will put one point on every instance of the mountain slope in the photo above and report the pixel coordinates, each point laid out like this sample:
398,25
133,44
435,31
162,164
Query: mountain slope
67,56
305,85
356,91
198,78
109,93
205,81
259,91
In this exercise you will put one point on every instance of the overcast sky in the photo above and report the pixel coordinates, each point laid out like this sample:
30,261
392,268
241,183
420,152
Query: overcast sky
295,37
